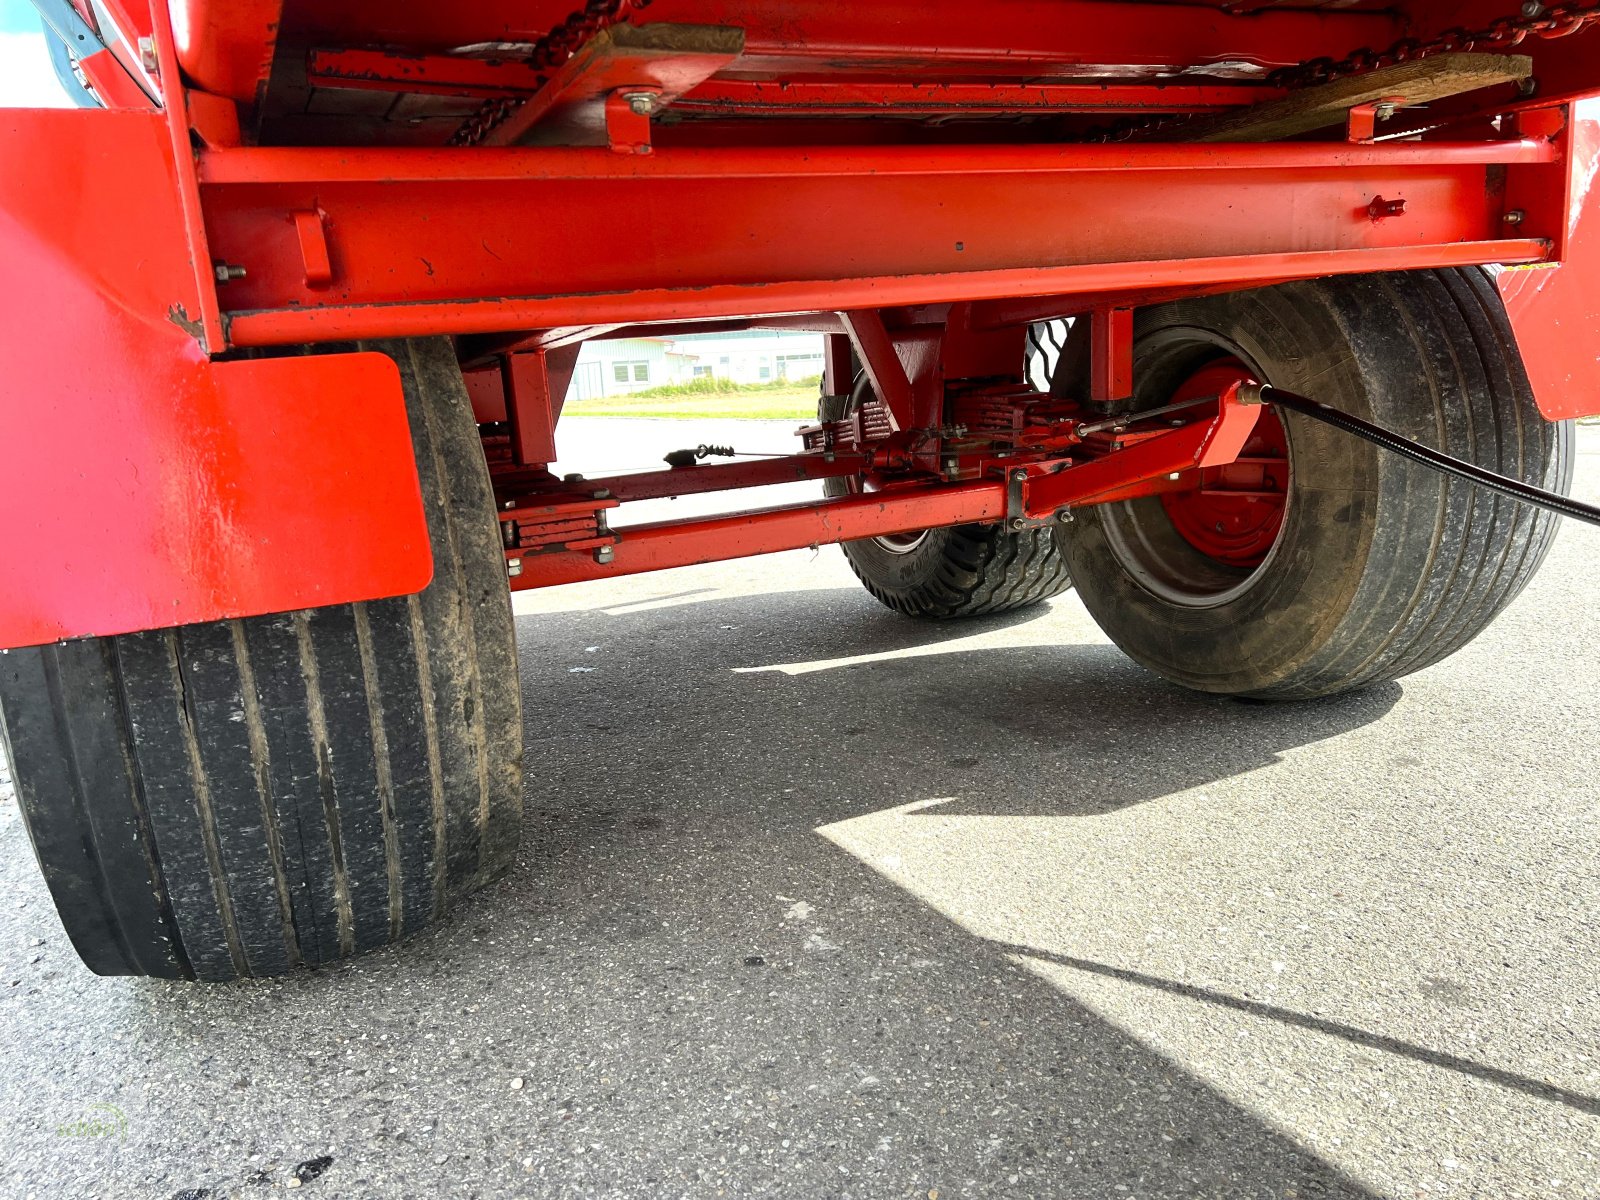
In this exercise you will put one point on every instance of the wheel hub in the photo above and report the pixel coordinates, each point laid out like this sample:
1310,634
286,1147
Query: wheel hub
1234,513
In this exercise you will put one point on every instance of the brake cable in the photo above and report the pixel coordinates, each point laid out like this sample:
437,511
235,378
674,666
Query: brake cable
1437,460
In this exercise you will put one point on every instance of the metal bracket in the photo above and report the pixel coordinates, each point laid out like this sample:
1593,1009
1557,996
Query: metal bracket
628,118
313,239
1361,123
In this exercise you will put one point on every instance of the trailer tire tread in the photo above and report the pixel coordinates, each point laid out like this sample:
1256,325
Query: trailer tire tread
957,571
1384,567
236,798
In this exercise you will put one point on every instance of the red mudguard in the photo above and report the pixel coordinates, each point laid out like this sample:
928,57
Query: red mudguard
1556,309
144,485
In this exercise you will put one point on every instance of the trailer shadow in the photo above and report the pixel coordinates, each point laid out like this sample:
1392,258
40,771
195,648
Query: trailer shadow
681,763
693,987
848,699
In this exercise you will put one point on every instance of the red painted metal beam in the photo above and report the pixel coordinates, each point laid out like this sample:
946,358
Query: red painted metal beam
1124,474
535,386
876,350
1110,354
1129,281
660,545
715,477
757,231
263,165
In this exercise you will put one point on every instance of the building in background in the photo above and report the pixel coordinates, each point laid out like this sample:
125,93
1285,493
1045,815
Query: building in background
754,355
618,367
751,356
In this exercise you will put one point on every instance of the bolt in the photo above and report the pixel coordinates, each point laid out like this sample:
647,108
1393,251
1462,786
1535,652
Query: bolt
573,478
147,54
602,494
1380,208
1175,476
227,272
641,103
1532,8
1019,477
604,554
1385,110
1064,516
509,505
1514,217
1019,524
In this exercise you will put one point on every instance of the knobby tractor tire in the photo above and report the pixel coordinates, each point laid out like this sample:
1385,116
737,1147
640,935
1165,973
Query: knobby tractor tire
234,799
957,571
1382,567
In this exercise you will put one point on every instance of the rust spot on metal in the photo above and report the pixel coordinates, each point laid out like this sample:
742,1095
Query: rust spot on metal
179,316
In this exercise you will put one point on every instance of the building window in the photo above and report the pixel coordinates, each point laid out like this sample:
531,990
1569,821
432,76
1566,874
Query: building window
766,372
639,372
702,372
797,366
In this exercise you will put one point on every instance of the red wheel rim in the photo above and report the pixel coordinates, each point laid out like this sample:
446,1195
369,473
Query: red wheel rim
1233,514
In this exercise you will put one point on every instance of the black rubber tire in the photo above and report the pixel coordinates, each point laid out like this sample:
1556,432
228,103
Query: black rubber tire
238,798
956,571
1383,566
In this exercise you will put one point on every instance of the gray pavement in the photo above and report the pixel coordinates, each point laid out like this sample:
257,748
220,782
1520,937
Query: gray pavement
815,901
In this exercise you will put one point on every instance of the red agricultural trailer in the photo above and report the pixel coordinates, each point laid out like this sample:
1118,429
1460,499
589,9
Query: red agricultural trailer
291,308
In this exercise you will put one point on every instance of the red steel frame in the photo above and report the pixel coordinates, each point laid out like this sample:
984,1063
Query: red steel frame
927,257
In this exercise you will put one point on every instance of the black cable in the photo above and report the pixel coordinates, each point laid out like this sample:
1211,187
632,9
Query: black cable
1437,460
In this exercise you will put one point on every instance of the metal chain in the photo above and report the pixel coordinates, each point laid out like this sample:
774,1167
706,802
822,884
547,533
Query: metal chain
549,53
1561,20
1557,21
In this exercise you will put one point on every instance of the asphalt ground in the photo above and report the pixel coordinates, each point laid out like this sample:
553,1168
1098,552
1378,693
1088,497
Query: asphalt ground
816,901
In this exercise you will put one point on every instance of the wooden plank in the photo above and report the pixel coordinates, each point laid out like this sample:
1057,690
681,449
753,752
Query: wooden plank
1327,104
570,109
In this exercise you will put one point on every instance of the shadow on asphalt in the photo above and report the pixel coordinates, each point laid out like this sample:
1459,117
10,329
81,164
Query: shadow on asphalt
679,1029
676,787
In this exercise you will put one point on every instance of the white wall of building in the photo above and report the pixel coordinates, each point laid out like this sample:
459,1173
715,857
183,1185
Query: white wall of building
626,365
754,355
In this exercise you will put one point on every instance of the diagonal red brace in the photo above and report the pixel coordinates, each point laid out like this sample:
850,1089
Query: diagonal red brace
1125,474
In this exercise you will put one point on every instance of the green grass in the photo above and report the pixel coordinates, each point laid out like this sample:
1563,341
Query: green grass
710,399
